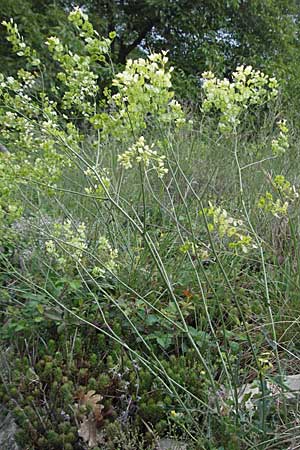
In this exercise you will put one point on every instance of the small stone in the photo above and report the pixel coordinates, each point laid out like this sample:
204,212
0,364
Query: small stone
171,444
8,430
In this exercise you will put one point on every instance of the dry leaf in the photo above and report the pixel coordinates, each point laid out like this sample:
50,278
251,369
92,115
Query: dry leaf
88,431
91,399
88,427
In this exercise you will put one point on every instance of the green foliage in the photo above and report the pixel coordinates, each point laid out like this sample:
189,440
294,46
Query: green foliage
69,248
287,196
248,88
144,97
36,20
215,35
78,76
143,280
229,228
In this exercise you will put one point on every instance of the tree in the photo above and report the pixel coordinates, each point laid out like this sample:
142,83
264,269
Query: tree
199,34
36,20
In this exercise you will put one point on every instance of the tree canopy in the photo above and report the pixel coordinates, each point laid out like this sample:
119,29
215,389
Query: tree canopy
199,34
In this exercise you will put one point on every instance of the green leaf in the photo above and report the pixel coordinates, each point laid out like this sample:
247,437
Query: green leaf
39,319
164,341
75,284
40,308
152,319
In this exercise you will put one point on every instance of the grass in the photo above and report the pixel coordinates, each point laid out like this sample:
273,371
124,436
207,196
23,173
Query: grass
170,334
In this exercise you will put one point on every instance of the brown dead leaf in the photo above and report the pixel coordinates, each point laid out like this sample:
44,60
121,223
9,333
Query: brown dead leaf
88,431
93,417
92,400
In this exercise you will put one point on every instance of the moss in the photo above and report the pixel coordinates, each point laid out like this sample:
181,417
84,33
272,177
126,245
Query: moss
53,438
22,438
92,384
68,446
113,376
70,438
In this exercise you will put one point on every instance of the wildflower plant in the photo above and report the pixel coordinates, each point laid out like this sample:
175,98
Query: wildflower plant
144,96
231,99
142,153
78,76
42,126
69,250
35,124
249,90
61,165
281,144
229,230
19,46
287,195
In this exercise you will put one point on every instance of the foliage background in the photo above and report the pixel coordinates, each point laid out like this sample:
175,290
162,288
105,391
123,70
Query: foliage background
149,252
199,35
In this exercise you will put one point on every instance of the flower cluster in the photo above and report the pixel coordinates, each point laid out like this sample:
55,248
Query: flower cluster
248,88
281,144
287,195
38,158
142,153
41,140
69,248
77,74
69,243
18,45
107,255
228,228
144,98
